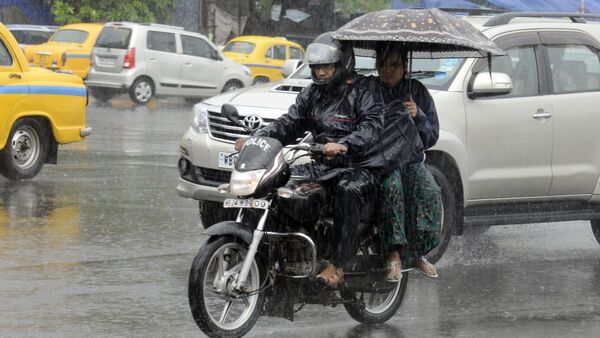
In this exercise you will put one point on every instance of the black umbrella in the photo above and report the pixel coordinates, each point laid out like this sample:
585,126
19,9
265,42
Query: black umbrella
427,33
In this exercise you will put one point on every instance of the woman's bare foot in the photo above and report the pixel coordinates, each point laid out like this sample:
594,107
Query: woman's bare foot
393,268
426,268
331,276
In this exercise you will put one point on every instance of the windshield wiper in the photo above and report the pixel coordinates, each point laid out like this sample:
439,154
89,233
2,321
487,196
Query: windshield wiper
425,74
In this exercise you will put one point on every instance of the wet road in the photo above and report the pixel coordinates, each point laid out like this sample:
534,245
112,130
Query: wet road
101,244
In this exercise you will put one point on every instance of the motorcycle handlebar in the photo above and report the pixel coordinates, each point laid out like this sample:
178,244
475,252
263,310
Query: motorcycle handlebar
312,149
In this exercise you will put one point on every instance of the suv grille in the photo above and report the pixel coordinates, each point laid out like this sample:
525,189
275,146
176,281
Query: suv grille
221,128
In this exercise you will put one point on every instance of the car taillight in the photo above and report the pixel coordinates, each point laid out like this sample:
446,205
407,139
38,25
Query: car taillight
129,61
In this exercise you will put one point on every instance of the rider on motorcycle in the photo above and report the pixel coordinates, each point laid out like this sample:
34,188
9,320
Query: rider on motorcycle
345,114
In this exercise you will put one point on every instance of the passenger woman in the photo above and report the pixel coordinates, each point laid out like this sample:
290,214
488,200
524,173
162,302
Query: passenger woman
410,200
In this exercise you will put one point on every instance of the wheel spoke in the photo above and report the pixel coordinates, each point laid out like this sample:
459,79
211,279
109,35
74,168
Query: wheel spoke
225,312
371,299
237,267
220,268
246,301
214,293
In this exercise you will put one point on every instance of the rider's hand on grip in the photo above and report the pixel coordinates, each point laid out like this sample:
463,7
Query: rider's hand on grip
331,150
239,143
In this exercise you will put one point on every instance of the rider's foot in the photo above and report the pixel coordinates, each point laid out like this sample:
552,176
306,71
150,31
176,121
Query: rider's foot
393,270
331,276
426,268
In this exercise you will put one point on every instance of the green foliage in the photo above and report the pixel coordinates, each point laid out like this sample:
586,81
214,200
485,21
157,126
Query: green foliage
264,4
361,6
72,11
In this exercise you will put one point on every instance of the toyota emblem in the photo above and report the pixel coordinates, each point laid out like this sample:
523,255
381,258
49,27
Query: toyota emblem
253,122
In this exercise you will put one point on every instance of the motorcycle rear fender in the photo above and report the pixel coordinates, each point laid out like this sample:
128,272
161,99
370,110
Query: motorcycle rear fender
229,228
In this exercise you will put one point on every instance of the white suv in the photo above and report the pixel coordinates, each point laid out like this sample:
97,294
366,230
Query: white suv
151,59
509,152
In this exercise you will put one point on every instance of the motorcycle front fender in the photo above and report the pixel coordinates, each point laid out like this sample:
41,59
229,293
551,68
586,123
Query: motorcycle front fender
229,228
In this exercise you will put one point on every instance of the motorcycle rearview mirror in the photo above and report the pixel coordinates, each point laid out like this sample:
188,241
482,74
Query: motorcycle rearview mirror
231,113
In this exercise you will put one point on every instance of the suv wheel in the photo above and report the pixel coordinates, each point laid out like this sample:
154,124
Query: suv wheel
232,85
596,228
213,212
142,90
26,150
103,94
448,214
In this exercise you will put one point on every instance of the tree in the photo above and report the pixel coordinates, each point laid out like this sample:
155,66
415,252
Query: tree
71,11
360,6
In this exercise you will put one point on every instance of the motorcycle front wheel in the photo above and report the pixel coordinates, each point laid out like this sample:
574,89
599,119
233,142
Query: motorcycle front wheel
218,309
376,307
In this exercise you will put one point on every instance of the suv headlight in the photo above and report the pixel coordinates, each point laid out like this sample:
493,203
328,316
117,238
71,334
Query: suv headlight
247,70
245,183
200,118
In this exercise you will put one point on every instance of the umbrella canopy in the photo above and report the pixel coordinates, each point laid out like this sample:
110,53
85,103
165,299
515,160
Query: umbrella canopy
428,33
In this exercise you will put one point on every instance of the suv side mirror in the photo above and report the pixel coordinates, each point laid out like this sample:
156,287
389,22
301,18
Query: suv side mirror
290,66
482,84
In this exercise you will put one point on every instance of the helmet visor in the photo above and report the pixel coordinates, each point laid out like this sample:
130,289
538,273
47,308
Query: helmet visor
320,54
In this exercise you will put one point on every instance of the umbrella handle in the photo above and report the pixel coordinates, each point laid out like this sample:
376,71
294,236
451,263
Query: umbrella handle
410,75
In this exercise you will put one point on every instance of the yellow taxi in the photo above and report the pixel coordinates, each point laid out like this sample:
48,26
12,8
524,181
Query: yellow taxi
40,109
68,49
264,55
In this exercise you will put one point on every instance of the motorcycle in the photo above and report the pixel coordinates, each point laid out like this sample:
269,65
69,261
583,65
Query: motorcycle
266,261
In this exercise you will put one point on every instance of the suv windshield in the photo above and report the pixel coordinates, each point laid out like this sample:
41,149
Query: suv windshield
436,73
433,73
241,47
114,37
70,35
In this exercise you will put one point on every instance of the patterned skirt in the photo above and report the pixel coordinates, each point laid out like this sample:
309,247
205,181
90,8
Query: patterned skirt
410,211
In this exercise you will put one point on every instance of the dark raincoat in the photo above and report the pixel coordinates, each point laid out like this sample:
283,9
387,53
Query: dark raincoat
349,113
410,205
426,120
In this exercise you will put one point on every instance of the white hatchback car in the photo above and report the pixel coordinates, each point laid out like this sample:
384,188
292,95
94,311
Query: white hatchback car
31,34
151,59
518,146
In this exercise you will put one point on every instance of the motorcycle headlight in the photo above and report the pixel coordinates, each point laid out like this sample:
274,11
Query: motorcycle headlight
247,70
200,118
245,183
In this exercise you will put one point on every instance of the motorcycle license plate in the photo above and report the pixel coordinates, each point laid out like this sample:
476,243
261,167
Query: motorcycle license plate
249,203
227,160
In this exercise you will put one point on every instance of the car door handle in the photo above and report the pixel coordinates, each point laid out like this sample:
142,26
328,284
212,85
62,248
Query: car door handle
152,59
541,115
187,64
14,76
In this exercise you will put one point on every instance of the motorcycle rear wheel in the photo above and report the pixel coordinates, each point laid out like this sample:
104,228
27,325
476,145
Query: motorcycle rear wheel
378,308
218,312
